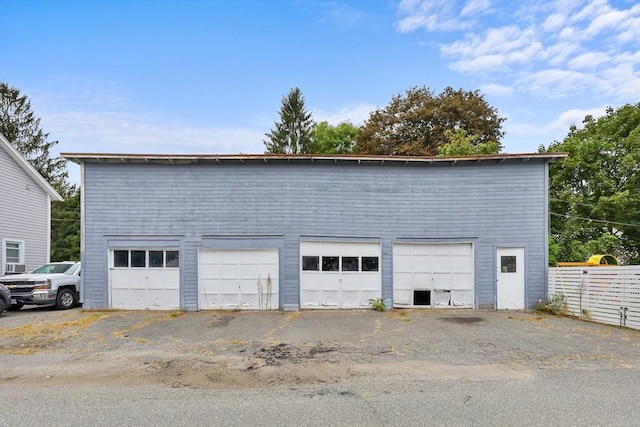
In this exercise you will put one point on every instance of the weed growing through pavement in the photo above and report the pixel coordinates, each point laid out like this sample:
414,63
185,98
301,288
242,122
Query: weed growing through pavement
377,304
555,304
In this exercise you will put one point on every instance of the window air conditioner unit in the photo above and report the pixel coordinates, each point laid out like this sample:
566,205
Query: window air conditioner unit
14,268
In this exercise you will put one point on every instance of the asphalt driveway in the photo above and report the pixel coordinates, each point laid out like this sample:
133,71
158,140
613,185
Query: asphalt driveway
244,352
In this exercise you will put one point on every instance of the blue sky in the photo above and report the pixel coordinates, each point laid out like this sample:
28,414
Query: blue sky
209,76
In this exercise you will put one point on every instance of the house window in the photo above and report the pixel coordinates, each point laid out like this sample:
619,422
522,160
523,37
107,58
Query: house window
13,251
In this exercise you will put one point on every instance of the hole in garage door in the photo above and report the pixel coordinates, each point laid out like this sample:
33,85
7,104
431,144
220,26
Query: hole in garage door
433,275
421,297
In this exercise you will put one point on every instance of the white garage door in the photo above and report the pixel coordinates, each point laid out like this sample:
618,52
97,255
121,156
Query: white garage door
433,274
339,274
144,279
238,279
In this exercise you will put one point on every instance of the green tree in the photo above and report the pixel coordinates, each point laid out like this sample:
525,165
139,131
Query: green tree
329,139
461,144
292,134
21,128
595,192
415,123
65,229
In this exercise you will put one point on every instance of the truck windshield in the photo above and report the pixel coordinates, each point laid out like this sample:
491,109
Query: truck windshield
52,268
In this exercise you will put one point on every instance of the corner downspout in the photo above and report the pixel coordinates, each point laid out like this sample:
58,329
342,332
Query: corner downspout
82,234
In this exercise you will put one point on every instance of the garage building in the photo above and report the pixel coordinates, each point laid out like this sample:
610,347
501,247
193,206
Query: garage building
294,232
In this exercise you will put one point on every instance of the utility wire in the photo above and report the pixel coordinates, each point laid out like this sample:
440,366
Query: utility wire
577,203
594,220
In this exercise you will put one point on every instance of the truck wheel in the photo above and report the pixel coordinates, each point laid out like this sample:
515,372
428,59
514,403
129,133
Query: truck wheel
1,306
66,299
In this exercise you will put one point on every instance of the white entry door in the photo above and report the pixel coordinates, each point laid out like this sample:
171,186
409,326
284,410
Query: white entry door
238,279
510,275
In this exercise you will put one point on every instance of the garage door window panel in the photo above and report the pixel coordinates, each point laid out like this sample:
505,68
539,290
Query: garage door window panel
121,259
310,263
173,259
330,263
369,263
139,259
350,263
156,259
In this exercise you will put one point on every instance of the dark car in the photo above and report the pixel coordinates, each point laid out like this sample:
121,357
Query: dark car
5,298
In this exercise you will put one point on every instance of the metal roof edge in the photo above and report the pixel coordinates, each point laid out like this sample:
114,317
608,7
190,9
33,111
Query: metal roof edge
80,158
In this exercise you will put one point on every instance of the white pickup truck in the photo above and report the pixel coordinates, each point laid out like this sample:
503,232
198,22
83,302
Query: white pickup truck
57,283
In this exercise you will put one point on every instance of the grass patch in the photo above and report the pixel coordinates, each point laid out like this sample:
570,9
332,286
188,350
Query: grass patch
30,338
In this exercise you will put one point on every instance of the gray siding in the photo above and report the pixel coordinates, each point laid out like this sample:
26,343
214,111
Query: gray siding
24,212
491,205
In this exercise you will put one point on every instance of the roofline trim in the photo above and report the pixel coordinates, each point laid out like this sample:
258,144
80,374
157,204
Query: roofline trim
30,170
80,158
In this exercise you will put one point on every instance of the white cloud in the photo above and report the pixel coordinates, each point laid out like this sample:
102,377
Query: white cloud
496,89
549,50
98,117
622,82
498,50
558,53
555,83
574,117
357,114
553,22
101,131
476,7
431,15
481,64
588,60
522,136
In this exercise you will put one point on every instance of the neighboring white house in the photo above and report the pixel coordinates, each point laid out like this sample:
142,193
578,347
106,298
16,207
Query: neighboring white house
25,212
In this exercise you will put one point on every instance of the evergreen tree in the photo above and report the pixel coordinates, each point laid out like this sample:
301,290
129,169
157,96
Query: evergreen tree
22,129
292,134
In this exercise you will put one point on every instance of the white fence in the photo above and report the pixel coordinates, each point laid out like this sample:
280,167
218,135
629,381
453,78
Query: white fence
602,294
